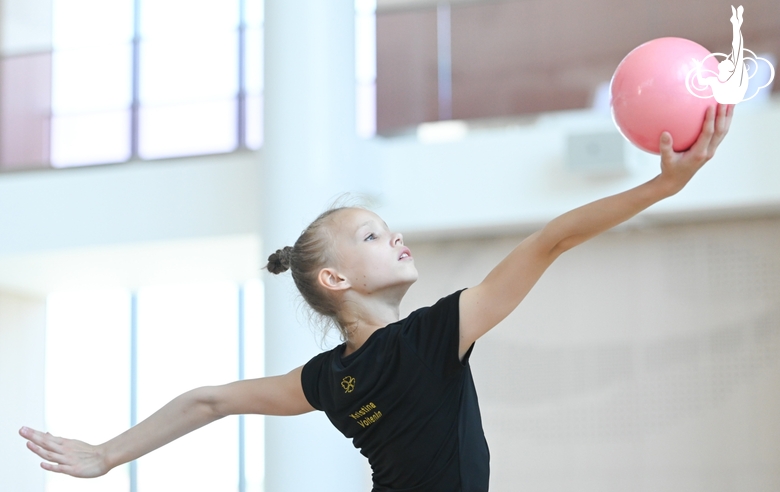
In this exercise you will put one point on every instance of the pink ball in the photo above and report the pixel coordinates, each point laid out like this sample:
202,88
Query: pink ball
649,94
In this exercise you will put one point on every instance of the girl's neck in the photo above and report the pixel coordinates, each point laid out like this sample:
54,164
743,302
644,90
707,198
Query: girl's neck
360,331
356,340
369,314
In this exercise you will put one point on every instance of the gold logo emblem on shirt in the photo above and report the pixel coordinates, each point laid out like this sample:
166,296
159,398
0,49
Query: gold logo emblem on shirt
348,383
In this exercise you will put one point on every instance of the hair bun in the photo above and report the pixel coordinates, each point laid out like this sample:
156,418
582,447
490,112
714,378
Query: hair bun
279,262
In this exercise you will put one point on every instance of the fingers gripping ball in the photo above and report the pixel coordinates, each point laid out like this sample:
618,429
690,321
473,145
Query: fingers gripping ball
649,94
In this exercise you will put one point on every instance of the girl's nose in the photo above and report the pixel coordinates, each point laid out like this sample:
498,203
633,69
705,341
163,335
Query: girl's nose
398,238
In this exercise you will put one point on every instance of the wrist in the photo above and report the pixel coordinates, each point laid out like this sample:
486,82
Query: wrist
667,186
107,458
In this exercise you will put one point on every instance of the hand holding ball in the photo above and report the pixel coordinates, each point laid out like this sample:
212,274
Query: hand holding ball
649,94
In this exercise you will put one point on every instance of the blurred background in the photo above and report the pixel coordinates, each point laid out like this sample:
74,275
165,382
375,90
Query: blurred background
154,153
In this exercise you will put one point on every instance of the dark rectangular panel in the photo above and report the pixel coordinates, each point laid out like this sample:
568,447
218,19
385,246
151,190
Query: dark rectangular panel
25,111
406,69
525,57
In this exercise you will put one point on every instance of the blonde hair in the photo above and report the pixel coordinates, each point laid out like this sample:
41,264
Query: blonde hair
312,251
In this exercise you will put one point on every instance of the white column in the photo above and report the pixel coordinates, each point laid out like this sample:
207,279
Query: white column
309,157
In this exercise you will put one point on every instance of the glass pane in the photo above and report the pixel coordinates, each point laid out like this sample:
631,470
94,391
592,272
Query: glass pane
255,13
254,367
254,122
189,70
91,22
365,6
365,48
204,128
25,105
253,60
93,79
365,107
187,338
169,20
88,376
25,26
97,138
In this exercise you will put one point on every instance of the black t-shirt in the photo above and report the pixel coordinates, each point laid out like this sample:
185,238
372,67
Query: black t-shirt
407,403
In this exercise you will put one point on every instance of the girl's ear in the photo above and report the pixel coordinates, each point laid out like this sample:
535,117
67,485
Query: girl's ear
332,280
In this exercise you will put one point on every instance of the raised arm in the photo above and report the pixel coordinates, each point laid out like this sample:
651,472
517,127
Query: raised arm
279,395
482,307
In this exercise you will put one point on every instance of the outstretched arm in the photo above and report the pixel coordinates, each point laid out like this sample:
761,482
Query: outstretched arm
485,305
279,395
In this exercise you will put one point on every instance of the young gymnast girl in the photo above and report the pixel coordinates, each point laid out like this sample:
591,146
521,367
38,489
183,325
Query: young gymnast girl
401,389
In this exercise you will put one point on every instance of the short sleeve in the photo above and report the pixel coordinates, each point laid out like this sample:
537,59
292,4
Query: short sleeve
310,379
434,334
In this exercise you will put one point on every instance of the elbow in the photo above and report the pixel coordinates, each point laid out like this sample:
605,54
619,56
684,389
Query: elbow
561,247
548,245
553,244
207,400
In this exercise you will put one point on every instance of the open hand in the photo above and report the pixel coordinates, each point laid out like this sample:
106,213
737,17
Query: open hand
68,456
677,168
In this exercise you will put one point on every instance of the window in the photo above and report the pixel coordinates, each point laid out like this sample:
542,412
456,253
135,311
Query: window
87,395
126,79
114,357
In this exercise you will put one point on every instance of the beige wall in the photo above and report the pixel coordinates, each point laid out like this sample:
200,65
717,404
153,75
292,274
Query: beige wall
643,360
22,327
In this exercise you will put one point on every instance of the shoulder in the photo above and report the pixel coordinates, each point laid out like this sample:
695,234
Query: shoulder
323,357
433,333
320,365
316,373
446,307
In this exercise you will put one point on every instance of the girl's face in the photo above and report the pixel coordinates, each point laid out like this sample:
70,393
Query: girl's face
369,255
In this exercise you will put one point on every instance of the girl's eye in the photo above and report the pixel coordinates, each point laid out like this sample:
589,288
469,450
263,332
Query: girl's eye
370,236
